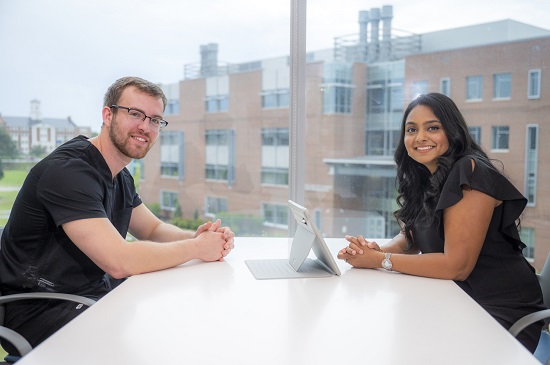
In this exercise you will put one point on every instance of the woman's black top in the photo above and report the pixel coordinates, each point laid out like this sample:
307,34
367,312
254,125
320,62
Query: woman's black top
502,281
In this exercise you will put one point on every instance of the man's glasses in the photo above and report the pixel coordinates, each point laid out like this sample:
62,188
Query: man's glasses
155,124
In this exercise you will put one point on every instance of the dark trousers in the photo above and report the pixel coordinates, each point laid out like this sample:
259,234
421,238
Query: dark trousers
37,320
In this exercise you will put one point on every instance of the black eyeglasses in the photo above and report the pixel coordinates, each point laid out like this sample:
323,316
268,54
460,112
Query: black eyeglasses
156,124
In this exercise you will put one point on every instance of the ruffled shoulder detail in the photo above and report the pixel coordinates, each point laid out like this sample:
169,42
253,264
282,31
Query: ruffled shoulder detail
486,179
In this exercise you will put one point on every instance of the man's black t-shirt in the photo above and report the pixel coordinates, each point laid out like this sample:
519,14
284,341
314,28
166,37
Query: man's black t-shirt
74,182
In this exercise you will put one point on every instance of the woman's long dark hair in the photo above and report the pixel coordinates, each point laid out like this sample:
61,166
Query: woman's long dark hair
418,190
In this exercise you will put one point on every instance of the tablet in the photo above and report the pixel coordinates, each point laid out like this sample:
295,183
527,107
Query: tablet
306,239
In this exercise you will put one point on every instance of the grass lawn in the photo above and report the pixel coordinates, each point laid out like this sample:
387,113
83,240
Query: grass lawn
12,178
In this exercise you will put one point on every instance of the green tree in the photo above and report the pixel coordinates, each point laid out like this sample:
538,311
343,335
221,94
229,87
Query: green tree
8,149
38,151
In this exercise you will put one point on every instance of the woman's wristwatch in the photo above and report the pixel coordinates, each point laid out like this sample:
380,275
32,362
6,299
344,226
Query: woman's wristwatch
386,263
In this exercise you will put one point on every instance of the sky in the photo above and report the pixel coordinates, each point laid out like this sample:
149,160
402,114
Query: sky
66,53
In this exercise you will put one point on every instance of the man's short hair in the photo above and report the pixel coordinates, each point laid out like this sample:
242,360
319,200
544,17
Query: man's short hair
115,90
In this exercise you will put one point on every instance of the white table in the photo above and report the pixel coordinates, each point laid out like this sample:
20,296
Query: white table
217,313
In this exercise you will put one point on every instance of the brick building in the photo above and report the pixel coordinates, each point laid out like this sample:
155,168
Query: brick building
227,146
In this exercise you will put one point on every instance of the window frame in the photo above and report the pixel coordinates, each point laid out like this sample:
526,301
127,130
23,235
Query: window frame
471,82
173,194
531,165
496,131
530,83
502,86
445,83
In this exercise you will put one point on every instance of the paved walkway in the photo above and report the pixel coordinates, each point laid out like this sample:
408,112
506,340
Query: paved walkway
10,188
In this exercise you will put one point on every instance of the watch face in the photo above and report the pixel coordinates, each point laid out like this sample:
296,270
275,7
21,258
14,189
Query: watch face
386,264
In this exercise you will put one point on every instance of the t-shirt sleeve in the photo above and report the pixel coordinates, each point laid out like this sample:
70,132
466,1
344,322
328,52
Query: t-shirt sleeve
488,180
70,191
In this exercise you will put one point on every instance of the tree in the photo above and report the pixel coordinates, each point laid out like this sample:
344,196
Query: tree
38,151
8,149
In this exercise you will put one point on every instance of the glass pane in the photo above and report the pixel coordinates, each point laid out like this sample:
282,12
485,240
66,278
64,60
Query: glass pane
364,65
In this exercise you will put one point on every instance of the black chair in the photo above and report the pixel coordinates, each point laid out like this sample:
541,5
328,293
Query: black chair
542,353
18,341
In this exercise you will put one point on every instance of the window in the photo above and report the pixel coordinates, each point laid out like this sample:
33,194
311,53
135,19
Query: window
337,89
275,99
502,86
385,103
215,205
381,143
533,85
275,83
217,103
275,156
275,215
173,107
172,93
501,135
168,200
527,236
445,86
171,154
217,94
476,134
531,164
474,88
220,155
356,87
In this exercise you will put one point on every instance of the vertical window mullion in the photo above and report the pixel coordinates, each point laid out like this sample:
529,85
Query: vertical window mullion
297,103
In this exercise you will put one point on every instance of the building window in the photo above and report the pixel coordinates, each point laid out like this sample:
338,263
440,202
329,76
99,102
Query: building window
172,93
337,88
220,155
533,84
275,215
272,99
215,205
275,156
173,107
445,86
531,163
275,83
168,200
381,142
474,88
217,94
385,104
172,154
217,103
419,88
502,86
337,99
475,132
527,236
501,136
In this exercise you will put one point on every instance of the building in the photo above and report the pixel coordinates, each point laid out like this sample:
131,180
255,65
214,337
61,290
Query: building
507,105
226,149
35,131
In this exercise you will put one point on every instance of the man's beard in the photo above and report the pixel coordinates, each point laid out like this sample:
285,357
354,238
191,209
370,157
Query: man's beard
121,142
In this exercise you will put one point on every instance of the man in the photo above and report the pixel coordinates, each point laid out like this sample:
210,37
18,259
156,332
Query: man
66,232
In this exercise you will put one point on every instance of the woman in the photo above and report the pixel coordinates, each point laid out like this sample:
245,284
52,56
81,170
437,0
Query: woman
460,212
